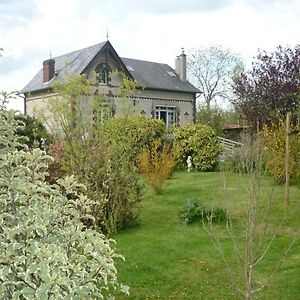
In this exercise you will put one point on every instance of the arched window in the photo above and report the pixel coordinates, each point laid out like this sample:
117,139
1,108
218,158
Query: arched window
102,74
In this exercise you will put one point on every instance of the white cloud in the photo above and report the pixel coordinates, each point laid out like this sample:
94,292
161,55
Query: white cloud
149,30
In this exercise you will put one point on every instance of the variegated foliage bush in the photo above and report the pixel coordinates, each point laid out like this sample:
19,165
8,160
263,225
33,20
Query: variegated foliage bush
46,250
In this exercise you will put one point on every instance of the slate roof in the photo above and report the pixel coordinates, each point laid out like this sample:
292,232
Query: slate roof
72,63
150,74
157,76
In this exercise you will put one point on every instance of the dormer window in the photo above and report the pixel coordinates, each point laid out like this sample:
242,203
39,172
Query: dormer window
102,74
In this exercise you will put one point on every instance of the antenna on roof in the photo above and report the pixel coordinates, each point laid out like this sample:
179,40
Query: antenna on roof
107,34
50,54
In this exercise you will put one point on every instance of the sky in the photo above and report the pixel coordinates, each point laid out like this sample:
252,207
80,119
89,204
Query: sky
153,30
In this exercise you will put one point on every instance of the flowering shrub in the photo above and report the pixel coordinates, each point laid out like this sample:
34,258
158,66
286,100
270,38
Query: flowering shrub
46,250
273,142
156,164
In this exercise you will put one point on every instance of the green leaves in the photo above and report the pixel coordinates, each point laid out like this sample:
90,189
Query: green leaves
46,251
42,291
200,142
27,293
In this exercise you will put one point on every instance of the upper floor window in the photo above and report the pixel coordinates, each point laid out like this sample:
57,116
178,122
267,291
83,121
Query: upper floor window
102,74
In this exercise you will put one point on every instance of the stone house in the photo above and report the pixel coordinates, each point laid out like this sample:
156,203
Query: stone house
164,94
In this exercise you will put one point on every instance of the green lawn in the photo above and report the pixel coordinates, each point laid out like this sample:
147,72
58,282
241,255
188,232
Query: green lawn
168,260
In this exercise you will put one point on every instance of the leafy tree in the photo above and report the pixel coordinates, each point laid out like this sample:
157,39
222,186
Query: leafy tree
271,88
212,70
99,163
46,249
214,117
217,118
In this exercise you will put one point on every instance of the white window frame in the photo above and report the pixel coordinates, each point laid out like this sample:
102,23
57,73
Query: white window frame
170,114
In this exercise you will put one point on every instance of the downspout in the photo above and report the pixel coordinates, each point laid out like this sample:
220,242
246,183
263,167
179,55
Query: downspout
194,108
25,104
23,96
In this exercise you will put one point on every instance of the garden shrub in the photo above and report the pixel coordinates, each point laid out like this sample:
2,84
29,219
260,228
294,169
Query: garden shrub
273,147
110,178
121,188
34,130
194,211
46,250
199,141
156,164
134,133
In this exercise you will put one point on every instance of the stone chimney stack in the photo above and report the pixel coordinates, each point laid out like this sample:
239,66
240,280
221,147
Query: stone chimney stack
180,65
48,70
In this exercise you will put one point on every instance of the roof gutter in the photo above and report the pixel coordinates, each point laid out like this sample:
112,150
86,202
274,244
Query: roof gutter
169,90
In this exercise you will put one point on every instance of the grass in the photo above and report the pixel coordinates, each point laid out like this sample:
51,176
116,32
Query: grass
168,260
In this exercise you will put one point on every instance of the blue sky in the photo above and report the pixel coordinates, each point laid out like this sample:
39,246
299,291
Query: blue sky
152,30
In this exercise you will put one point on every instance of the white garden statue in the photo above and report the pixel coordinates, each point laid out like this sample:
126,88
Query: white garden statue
189,163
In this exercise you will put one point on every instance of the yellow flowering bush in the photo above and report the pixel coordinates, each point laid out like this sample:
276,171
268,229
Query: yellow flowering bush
273,145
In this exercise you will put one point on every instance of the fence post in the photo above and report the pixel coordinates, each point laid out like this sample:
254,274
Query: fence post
287,174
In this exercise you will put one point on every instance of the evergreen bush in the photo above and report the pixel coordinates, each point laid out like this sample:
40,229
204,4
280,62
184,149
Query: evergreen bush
199,141
34,130
134,133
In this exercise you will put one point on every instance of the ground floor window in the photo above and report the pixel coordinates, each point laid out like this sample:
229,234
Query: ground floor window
167,114
103,112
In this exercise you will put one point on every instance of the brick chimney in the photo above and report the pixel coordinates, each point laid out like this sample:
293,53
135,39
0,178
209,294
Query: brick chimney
180,65
48,69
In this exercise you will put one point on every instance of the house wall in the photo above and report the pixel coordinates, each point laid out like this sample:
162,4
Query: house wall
38,106
140,103
147,100
37,103
144,101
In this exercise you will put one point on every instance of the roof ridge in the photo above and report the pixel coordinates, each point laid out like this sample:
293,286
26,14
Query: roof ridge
68,53
152,62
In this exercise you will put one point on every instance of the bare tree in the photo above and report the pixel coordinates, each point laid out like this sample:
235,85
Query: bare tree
213,70
259,229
